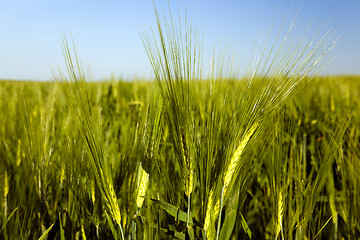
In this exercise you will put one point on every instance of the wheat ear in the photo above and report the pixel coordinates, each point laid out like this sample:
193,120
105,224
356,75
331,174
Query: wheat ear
212,211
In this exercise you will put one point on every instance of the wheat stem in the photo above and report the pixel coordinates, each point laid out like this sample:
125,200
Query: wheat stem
219,219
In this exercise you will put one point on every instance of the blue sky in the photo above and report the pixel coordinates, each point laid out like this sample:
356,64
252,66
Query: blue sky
107,33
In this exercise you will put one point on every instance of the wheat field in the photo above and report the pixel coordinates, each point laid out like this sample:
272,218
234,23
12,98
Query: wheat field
192,154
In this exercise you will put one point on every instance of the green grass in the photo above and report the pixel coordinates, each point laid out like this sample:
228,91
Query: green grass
197,154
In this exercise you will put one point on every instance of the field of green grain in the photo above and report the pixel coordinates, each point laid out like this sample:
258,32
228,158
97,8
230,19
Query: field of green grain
298,177
193,154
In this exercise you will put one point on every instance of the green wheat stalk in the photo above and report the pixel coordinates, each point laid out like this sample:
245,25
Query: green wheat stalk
81,102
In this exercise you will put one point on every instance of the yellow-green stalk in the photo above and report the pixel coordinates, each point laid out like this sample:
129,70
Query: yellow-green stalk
18,153
6,185
279,218
212,211
92,190
189,178
143,184
234,163
208,210
6,191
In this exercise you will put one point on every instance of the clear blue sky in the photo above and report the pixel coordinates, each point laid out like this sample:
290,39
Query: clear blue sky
107,33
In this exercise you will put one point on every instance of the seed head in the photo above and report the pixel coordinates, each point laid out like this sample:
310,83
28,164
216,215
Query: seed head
143,186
